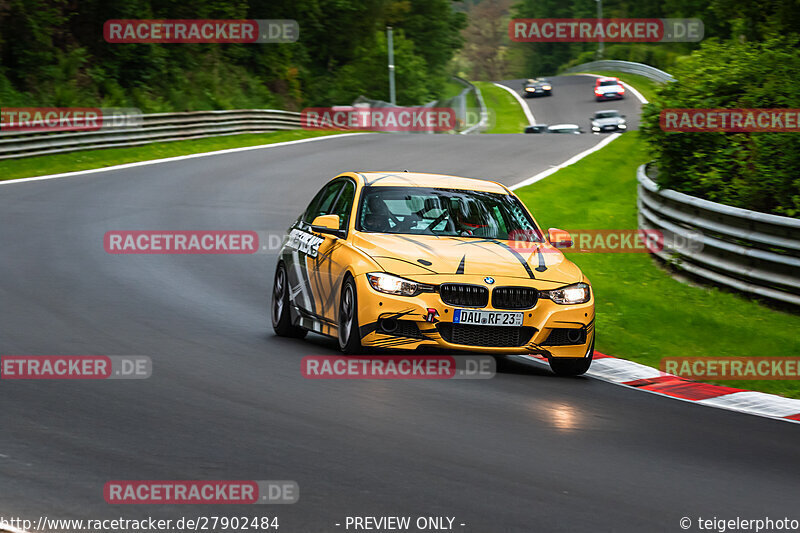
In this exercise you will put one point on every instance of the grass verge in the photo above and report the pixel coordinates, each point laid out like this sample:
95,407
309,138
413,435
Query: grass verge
506,116
646,86
88,159
451,89
642,313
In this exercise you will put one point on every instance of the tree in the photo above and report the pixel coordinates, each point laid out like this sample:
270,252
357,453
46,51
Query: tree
487,39
749,170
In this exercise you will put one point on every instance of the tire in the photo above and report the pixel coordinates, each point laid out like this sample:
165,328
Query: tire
571,366
349,338
281,317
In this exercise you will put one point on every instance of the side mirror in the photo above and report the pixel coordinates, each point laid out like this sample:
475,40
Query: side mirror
559,238
328,224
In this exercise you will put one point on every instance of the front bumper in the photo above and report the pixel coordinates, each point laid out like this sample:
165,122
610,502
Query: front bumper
609,129
425,321
609,96
540,92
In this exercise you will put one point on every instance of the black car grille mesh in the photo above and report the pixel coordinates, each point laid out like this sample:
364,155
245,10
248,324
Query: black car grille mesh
486,336
514,297
407,328
463,294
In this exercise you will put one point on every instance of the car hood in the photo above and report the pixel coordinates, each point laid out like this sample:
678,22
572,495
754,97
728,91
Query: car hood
417,256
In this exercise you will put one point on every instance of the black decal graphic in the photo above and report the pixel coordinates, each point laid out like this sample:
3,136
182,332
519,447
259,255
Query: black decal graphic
542,265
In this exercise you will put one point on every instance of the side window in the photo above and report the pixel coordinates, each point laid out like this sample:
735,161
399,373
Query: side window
344,205
322,203
308,213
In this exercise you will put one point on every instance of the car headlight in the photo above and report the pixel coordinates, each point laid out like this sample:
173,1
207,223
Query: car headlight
529,89
571,294
546,87
622,126
389,284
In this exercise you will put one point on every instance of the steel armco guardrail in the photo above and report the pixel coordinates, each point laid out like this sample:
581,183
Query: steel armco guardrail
161,127
457,103
154,128
749,251
483,122
624,66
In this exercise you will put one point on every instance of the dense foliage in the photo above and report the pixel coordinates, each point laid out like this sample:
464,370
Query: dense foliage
52,52
723,19
748,59
751,170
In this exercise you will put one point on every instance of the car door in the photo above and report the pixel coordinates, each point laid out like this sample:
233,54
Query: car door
327,269
302,248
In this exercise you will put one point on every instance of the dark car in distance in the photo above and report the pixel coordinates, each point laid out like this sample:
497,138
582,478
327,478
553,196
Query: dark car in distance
537,87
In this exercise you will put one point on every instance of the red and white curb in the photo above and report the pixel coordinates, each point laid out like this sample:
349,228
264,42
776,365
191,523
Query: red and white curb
649,379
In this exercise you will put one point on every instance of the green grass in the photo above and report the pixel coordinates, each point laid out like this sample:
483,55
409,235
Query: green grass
88,159
451,89
646,86
643,314
506,115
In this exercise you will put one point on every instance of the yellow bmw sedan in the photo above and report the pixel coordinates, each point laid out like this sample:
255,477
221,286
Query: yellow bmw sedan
412,261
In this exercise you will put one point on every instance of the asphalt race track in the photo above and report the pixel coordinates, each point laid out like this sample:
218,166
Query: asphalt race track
524,451
573,102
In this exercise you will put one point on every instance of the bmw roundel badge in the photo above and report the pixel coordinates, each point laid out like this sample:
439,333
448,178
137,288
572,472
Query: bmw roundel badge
489,280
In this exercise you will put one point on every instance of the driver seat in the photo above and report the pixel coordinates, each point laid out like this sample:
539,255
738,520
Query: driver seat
377,216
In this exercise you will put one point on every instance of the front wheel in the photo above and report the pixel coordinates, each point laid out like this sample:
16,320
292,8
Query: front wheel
281,319
349,338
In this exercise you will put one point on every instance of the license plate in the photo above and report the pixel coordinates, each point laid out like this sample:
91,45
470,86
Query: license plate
486,318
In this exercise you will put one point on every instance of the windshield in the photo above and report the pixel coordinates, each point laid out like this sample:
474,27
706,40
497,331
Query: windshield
607,114
607,83
445,213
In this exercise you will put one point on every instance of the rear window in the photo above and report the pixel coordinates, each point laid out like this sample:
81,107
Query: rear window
606,83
